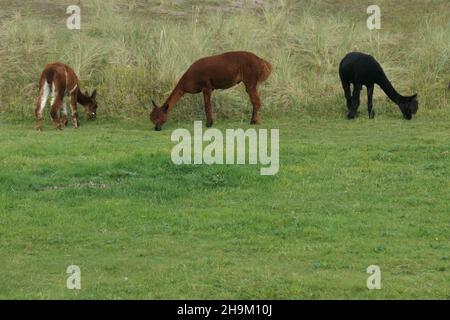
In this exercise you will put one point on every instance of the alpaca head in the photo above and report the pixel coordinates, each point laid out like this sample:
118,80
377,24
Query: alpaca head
91,105
409,107
159,115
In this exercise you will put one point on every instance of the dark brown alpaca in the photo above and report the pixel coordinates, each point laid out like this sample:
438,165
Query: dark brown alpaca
217,72
60,80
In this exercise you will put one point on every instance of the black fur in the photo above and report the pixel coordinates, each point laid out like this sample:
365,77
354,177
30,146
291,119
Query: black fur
360,70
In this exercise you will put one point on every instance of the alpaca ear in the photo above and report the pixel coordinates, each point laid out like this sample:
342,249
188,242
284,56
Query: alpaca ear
94,95
165,108
154,104
414,97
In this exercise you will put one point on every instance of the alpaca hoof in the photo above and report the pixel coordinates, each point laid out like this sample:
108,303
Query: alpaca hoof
255,121
372,115
350,116
209,124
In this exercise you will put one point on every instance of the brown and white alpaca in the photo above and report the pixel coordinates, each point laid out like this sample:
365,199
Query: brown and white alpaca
217,72
60,81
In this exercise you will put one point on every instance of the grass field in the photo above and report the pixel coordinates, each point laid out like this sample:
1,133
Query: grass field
107,197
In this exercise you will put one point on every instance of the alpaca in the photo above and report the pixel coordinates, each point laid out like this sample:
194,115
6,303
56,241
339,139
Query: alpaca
217,72
361,69
60,80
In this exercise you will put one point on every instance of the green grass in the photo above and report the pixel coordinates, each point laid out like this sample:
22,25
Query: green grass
107,198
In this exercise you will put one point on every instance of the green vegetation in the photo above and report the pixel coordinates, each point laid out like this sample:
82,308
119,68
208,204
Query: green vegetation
106,197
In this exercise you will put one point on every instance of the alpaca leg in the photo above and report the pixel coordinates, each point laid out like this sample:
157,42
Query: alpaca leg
73,106
40,105
56,104
348,94
254,98
355,100
208,107
370,101
64,114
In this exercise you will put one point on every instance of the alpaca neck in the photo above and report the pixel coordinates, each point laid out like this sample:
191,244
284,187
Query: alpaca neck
389,89
174,96
82,98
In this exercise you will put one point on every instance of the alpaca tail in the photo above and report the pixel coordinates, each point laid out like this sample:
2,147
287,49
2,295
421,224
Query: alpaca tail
266,70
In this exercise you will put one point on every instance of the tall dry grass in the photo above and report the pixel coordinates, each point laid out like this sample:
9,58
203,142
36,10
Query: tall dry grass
131,51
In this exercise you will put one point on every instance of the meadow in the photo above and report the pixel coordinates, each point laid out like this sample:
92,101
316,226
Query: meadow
107,197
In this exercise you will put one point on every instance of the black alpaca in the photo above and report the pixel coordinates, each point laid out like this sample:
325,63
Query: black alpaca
362,69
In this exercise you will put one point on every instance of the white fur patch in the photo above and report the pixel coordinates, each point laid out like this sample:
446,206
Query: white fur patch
64,109
54,93
44,96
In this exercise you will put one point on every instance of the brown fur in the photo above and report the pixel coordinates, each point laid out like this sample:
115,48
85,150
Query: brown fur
66,84
217,72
